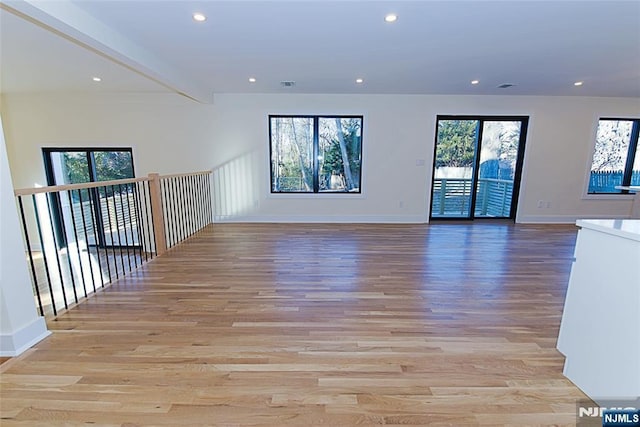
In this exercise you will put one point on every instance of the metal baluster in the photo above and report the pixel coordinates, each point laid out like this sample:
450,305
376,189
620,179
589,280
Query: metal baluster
196,202
188,191
55,248
31,262
142,236
186,206
150,225
95,199
75,235
165,209
86,239
115,212
200,191
209,200
44,255
192,222
205,190
138,245
113,246
135,212
183,211
176,198
180,210
124,225
173,210
66,243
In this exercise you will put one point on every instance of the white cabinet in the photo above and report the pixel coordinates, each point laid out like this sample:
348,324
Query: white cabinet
600,328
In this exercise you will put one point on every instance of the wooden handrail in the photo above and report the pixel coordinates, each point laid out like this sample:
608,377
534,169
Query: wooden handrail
85,185
68,187
176,175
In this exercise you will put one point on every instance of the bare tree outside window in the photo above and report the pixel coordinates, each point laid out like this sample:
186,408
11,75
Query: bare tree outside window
615,160
316,154
292,154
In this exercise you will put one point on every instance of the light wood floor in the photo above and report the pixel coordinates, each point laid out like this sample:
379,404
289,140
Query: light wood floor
108,265
442,324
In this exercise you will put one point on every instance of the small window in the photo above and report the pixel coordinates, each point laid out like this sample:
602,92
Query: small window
615,161
316,154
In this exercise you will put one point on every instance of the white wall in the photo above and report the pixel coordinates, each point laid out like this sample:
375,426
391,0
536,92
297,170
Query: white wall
20,326
167,132
173,134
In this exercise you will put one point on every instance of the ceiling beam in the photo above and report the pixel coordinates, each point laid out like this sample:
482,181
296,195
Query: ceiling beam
67,20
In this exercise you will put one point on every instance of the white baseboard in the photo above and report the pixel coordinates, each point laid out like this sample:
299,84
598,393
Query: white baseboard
395,219
356,219
21,340
563,219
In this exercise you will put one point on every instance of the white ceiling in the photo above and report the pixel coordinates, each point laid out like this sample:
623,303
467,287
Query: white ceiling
435,47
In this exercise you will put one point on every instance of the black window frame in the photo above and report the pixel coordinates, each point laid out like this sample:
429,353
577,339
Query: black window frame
632,152
89,151
316,144
518,171
55,198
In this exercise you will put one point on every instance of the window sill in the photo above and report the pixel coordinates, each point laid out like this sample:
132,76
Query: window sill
341,195
609,197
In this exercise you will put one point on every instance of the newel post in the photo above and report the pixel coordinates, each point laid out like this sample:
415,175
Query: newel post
155,197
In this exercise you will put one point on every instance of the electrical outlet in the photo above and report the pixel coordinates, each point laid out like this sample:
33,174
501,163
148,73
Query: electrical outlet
541,204
401,204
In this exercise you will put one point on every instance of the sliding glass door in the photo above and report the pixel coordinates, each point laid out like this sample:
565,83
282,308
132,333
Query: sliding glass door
477,166
109,210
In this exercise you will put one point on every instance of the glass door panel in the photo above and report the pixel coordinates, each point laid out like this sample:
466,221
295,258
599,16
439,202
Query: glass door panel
477,166
112,165
117,203
109,212
454,168
70,167
497,167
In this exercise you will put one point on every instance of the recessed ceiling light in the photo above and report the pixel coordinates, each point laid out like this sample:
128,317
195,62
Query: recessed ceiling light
199,17
359,81
252,79
475,82
392,17
96,79
578,83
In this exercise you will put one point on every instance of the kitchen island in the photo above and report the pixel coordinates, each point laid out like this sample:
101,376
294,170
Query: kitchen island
600,328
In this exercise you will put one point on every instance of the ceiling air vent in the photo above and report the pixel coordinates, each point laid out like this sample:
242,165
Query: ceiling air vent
287,83
505,85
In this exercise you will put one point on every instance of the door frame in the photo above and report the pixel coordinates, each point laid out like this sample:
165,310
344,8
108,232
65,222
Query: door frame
481,119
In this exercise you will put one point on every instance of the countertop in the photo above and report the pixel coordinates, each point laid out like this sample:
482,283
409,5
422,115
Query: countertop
626,228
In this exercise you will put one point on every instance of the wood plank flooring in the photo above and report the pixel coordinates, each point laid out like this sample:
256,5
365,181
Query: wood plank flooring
108,264
284,324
